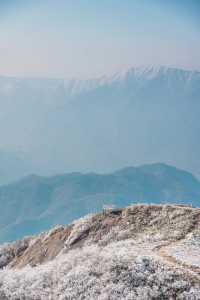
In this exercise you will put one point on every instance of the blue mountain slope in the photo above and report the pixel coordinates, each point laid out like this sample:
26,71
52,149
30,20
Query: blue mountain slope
36,203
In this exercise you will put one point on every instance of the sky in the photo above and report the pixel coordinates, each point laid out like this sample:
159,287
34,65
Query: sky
85,38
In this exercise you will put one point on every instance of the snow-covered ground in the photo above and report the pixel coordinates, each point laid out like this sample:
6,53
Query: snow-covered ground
187,252
117,271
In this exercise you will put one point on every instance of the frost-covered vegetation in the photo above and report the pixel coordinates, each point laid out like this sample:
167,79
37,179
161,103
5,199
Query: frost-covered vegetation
112,272
114,255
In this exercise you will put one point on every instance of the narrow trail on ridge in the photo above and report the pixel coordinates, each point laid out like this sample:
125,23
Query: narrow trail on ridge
165,254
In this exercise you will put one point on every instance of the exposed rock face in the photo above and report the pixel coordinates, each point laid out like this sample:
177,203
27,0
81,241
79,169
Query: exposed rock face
140,252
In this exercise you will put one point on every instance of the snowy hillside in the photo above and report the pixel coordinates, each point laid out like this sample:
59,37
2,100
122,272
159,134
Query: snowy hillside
118,254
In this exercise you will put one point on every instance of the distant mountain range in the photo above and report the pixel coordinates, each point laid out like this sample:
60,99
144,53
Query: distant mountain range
140,115
132,79
37,203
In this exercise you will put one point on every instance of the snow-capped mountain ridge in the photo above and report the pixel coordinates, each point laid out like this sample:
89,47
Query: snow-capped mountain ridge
152,72
73,87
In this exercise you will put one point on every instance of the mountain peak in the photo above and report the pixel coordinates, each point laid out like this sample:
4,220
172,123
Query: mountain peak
151,72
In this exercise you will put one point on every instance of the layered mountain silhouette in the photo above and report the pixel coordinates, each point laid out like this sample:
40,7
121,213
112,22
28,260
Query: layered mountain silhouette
37,203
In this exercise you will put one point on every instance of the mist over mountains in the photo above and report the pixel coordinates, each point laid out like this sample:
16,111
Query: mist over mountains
13,165
137,116
55,126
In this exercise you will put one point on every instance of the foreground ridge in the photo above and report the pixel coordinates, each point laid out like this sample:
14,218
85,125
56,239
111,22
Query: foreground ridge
139,252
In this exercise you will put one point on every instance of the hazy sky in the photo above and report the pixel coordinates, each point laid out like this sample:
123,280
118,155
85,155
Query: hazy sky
83,38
